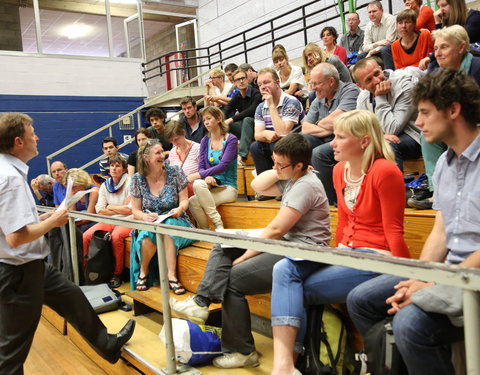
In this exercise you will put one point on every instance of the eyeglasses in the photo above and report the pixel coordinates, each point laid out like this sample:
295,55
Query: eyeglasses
240,79
279,165
149,144
352,19
312,85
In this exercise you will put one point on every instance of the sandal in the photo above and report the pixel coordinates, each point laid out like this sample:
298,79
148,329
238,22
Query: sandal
176,287
142,283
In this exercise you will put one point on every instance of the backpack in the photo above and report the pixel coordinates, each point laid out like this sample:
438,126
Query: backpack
99,267
325,342
381,354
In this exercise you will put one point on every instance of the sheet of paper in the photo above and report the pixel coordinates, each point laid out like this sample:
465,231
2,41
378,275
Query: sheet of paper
243,232
161,218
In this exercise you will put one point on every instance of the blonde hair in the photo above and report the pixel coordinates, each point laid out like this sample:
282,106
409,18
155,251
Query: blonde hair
217,72
79,177
143,168
455,34
217,113
360,123
315,48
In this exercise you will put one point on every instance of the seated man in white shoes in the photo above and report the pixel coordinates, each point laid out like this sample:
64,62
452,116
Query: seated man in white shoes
233,273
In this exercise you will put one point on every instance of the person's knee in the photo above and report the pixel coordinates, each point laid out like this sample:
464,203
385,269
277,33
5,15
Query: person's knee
283,269
408,324
255,148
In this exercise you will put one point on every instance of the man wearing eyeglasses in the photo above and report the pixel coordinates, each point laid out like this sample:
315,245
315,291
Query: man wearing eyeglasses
353,40
334,97
239,112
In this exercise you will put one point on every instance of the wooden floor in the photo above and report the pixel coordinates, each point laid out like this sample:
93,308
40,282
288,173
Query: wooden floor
53,353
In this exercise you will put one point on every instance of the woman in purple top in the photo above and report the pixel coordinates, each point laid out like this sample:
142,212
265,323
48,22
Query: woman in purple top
216,180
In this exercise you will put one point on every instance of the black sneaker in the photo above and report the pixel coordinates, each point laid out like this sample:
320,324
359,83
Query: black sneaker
115,282
260,197
422,194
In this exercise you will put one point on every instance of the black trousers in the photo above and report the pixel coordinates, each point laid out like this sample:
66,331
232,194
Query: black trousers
23,291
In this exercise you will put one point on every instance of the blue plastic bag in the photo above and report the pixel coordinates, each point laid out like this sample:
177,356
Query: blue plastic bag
195,344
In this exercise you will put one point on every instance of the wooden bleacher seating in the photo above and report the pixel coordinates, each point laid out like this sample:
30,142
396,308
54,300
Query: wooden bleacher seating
253,214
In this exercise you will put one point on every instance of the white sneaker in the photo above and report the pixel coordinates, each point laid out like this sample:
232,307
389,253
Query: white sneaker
235,360
189,310
240,161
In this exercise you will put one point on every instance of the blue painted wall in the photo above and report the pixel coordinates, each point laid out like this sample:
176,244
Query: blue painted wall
60,120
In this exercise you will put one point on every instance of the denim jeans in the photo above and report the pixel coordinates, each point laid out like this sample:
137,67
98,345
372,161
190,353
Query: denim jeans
223,283
407,149
422,338
262,155
243,130
385,54
315,141
299,284
323,161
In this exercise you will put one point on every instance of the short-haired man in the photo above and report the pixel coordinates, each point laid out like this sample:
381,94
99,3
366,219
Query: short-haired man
58,169
448,111
240,111
252,74
42,187
156,117
388,94
334,97
352,41
195,130
27,282
380,33
278,115
109,148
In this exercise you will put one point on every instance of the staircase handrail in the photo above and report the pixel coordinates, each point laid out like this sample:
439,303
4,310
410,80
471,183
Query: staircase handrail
114,122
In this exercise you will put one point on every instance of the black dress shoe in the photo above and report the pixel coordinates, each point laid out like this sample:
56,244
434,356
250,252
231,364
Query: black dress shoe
116,342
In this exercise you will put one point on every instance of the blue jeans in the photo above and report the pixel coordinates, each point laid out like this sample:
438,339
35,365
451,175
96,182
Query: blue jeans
385,54
299,284
407,149
323,161
262,155
422,338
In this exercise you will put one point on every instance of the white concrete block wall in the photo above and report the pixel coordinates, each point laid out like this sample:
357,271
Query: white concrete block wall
45,75
219,19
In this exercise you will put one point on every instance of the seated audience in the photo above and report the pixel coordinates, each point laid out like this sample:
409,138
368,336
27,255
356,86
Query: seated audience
82,181
425,19
191,119
389,95
380,33
413,45
329,37
353,40
185,153
291,76
58,170
233,273
449,111
313,55
278,115
451,51
141,136
113,200
216,180
157,189
157,117
334,97
371,195
42,187
240,111
109,148
217,89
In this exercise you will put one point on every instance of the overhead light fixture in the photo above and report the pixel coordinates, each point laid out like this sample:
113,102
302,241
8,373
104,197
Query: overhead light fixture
77,30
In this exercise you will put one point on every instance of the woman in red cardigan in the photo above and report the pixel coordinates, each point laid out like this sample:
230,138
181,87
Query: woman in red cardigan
371,200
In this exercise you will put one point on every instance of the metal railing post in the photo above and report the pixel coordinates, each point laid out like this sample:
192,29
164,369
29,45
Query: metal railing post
245,46
73,249
471,316
305,39
167,316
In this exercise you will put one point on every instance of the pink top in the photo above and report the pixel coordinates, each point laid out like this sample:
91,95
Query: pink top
190,164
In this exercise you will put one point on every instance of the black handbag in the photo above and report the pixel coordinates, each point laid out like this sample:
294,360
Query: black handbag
99,268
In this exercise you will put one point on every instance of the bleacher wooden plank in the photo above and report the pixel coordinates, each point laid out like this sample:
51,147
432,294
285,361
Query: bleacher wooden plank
415,165
54,319
248,180
241,181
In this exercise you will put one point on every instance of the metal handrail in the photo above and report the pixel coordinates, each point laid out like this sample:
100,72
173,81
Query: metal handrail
220,51
466,278
114,122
